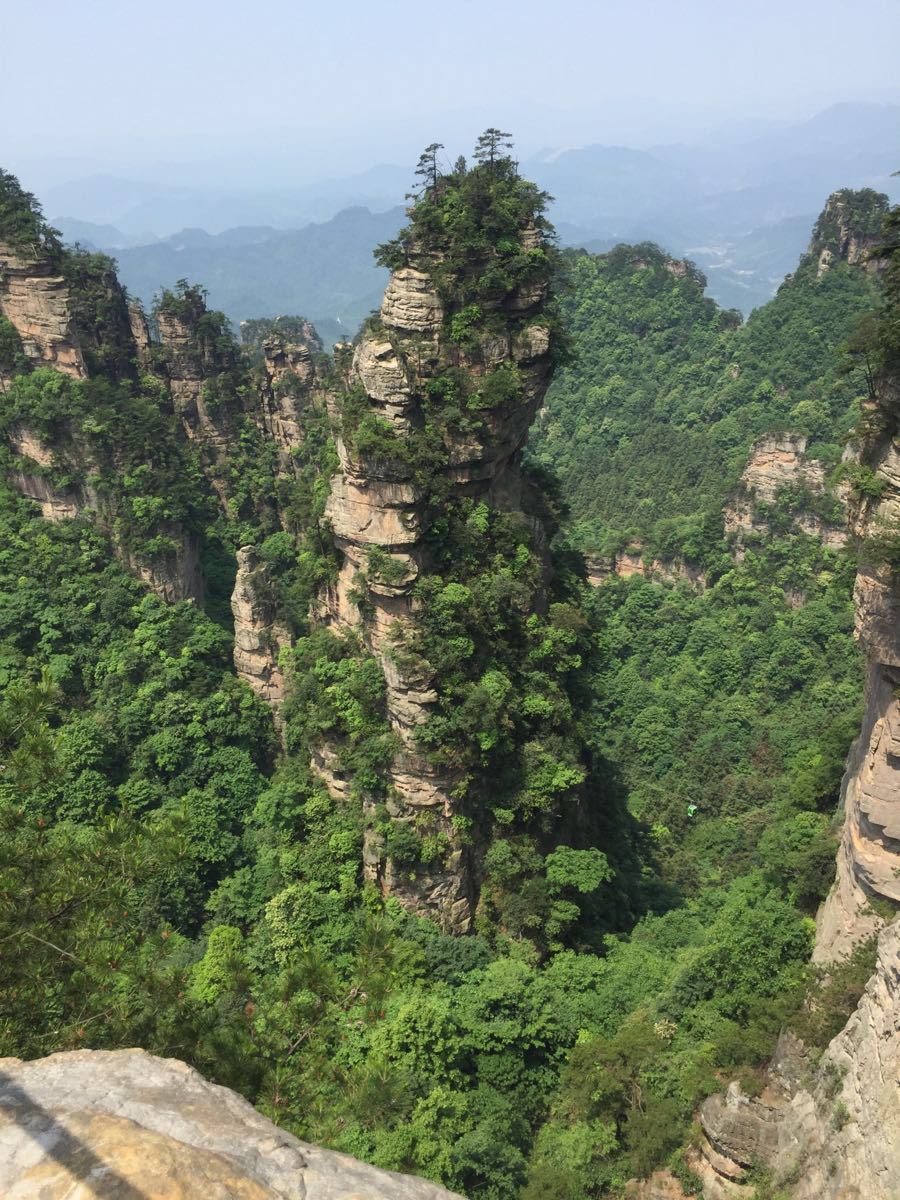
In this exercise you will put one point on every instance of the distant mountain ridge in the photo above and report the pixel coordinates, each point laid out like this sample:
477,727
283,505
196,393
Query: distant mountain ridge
134,207
740,182
324,270
740,208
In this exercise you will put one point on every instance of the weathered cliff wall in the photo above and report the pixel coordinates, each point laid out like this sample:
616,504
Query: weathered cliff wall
289,385
826,1131
35,299
831,1131
777,461
377,512
776,465
287,397
868,867
258,634
198,367
632,561
211,395
122,1124
174,575
55,332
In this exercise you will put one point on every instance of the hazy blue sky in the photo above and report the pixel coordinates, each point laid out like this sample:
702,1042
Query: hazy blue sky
292,90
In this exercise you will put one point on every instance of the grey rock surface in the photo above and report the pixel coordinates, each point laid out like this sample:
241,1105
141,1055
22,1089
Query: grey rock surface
124,1125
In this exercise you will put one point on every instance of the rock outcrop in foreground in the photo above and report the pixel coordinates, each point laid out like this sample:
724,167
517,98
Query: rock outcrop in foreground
123,1125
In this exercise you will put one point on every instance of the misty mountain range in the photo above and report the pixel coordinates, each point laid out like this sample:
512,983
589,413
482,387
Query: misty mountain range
741,206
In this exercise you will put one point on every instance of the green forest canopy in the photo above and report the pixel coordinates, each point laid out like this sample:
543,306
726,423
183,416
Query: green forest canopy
648,427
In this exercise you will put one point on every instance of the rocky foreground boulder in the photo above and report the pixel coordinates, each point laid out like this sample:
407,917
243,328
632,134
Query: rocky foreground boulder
124,1125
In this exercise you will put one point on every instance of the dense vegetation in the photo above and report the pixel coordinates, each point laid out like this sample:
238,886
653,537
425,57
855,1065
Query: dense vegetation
111,438
169,878
649,426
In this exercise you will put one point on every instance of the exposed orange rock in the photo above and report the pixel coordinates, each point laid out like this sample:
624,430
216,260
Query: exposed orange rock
776,461
34,298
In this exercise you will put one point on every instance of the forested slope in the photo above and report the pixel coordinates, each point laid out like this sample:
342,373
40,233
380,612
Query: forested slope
650,424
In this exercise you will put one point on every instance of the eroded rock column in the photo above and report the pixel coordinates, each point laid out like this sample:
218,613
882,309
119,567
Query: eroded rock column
379,515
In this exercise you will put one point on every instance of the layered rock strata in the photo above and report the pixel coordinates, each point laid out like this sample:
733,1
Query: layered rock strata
632,561
174,575
829,1132
290,381
378,517
35,299
258,634
868,868
193,361
778,461
124,1125
201,372
40,305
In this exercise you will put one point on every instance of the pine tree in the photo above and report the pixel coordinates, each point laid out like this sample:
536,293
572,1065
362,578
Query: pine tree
491,145
427,169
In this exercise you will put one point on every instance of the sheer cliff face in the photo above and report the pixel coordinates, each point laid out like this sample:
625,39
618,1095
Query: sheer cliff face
778,461
826,1131
35,299
43,310
378,511
869,857
290,384
258,634
193,361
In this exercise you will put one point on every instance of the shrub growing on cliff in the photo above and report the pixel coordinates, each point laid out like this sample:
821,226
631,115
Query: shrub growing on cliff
22,223
13,360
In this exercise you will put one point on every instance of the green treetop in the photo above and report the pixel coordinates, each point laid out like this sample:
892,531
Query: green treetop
467,226
22,223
